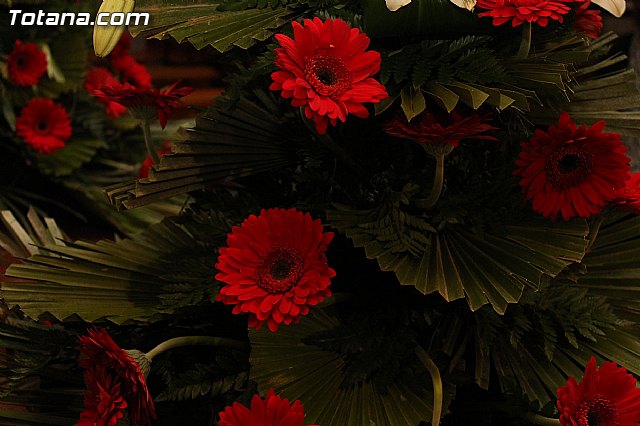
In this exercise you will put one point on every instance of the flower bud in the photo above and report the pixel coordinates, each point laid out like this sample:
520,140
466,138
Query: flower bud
105,37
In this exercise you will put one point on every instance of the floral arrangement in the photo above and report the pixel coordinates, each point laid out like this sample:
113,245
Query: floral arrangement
399,213
59,138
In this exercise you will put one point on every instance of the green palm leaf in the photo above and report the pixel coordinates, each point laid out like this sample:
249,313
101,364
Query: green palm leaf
202,24
457,263
74,154
612,266
254,137
314,376
600,89
117,280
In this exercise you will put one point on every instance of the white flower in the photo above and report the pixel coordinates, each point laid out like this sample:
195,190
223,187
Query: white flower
465,4
614,7
394,5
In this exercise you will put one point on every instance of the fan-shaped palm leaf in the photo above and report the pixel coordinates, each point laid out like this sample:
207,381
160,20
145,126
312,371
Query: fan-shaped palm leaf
457,263
315,376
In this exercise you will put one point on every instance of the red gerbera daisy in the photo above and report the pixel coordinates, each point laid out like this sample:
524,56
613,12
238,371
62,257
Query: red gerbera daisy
629,196
98,348
99,77
275,267
448,129
588,21
44,125
270,411
607,396
103,401
131,70
145,102
520,11
326,70
572,171
26,64
148,162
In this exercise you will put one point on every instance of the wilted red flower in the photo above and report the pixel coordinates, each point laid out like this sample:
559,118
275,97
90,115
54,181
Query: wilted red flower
103,401
572,171
44,125
606,396
145,102
98,348
148,162
275,267
97,78
270,411
588,21
629,196
520,11
26,64
447,129
326,70
131,71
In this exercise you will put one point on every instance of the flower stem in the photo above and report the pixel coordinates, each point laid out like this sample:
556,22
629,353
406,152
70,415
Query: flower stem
146,130
177,342
433,370
525,43
537,419
438,182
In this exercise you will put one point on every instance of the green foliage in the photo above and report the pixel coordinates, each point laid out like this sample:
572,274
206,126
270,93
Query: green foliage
255,137
132,278
468,59
297,371
610,267
204,23
68,54
229,5
203,380
28,349
376,344
76,152
242,83
465,70
538,343
398,231
488,267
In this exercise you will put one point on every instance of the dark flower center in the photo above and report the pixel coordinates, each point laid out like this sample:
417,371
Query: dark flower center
328,75
42,125
568,163
280,269
21,61
569,166
597,411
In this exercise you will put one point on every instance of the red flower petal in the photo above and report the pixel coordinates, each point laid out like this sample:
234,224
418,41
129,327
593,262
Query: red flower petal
99,349
324,68
143,98
270,411
607,395
583,169
44,125
284,267
520,11
26,64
